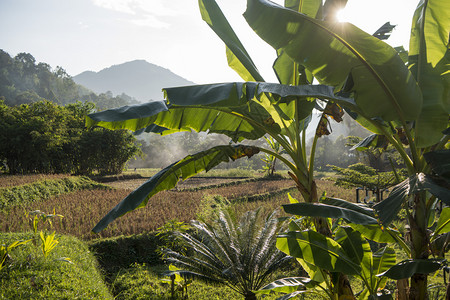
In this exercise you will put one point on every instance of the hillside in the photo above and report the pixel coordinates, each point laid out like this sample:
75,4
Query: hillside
23,80
139,79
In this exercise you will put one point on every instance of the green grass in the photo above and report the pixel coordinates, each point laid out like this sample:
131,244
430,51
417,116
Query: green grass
29,275
141,281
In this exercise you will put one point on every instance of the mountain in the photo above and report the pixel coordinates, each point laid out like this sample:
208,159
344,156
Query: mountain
139,79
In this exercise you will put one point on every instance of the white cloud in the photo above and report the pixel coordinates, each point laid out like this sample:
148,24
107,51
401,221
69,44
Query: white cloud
152,7
146,13
116,5
150,21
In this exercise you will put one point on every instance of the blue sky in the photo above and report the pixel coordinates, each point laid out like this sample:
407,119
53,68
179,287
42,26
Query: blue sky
82,35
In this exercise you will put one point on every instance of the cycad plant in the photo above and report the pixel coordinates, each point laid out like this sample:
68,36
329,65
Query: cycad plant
240,254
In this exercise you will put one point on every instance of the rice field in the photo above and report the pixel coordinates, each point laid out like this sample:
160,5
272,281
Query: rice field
83,209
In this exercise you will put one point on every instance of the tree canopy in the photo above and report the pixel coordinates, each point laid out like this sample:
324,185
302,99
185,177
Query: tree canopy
44,137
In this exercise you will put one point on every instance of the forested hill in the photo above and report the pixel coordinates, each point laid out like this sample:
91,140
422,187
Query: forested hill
139,79
23,80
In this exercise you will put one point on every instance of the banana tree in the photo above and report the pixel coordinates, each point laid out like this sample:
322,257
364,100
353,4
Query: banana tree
241,111
407,104
361,73
247,110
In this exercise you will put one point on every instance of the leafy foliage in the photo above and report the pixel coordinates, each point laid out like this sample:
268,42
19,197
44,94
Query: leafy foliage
359,175
44,137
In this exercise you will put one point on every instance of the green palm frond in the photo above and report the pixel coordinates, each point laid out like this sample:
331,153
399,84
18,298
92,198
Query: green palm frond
238,253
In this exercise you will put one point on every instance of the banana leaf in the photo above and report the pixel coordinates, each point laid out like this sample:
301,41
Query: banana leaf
237,57
443,223
429,60
238,110
328,211
408,268
287,285
334,208
169,177
439,161
318,250
382,85
388,208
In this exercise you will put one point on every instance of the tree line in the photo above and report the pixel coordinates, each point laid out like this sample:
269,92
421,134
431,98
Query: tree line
44,137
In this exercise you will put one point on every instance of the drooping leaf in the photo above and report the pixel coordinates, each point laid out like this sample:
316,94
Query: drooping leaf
443,224
357,248
439,161
287,285
169,177
382,85
318,250
384,32
408,268
238,58
328,211
373,140
388,208
429,60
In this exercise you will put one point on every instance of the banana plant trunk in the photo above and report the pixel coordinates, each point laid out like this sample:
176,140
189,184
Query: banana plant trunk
419,246
343,287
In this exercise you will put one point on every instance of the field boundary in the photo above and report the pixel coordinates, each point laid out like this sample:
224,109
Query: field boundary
225,184
263,196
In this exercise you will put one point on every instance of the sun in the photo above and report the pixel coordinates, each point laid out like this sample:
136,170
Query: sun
342,15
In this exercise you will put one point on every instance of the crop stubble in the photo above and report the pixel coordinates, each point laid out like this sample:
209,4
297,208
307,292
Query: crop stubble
83,209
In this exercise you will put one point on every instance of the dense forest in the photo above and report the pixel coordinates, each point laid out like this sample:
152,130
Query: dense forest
42,127
24,81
